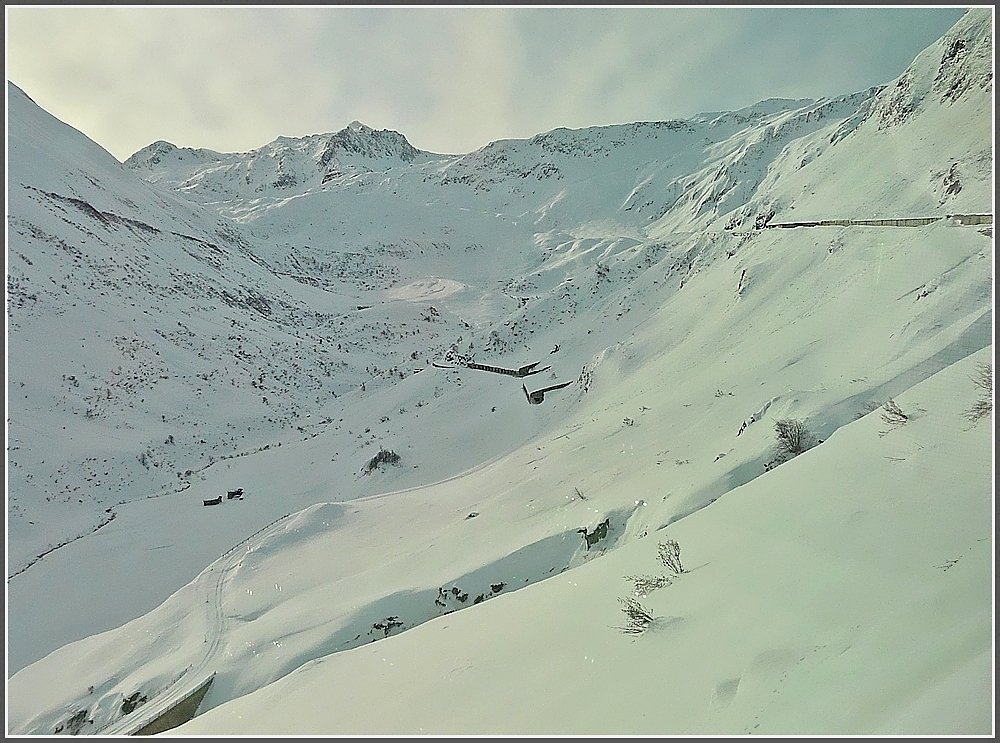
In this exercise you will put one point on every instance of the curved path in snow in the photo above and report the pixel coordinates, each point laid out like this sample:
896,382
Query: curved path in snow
211,583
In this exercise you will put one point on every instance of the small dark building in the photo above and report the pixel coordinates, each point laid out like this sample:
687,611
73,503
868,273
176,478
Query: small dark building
212,501
536,397
238,493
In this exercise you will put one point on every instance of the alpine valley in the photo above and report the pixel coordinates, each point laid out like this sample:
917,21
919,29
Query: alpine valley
342,437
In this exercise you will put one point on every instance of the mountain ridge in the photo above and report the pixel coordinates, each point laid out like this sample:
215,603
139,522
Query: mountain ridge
282,339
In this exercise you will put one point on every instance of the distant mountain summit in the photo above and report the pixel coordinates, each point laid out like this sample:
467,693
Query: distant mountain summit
160,151
755,112
283,164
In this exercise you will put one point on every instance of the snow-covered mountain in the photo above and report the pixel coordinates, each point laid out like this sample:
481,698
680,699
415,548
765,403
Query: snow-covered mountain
295,322
149,338
287,163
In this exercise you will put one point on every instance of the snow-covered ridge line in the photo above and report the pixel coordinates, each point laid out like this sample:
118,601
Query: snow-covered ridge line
294,350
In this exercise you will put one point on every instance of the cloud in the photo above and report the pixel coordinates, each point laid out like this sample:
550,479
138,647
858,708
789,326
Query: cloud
451,79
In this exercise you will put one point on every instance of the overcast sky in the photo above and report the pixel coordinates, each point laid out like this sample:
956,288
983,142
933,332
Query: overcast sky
451,79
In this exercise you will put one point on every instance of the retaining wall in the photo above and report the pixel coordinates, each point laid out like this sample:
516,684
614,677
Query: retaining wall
180,713
967,219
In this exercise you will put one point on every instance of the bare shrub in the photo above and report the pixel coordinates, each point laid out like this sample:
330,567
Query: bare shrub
893,414
793,439
637,618
385,456
793,436
983,379
137,699
74,724
387,625
669,553
645,584
869,407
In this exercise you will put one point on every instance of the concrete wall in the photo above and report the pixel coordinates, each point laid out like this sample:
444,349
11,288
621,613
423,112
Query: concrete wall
180,713
972,218
904,222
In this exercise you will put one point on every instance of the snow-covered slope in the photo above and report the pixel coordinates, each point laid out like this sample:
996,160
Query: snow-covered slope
622,258
889,159
841,594
150,339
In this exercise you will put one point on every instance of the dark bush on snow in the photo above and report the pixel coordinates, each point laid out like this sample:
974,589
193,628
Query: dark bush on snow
385,456
793,439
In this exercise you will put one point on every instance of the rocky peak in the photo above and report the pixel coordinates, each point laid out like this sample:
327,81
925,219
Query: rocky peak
958,64
151,154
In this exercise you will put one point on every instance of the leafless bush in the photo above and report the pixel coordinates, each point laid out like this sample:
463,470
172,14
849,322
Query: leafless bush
384,456
793,436
644,584
74,725
388,624
670,555
869,407
793,439
637,618
983,379
893,414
